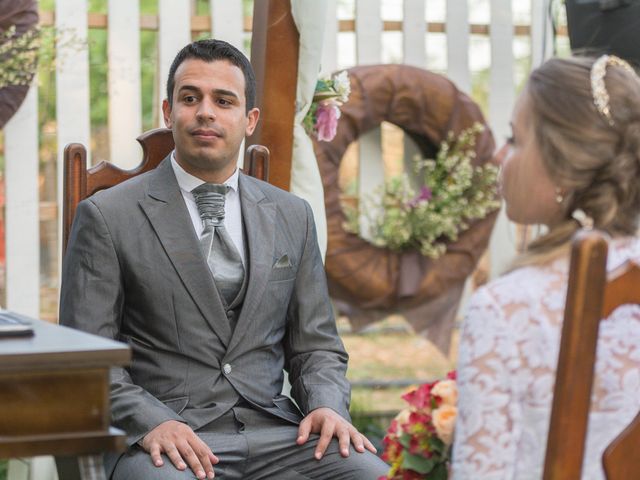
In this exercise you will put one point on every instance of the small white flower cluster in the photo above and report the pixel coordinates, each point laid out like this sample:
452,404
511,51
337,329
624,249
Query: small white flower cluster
342,86
453,192
18,56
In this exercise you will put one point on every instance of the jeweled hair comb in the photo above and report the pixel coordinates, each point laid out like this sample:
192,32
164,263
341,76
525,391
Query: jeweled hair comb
598,87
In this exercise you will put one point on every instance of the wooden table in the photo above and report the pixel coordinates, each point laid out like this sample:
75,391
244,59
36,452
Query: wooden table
54,394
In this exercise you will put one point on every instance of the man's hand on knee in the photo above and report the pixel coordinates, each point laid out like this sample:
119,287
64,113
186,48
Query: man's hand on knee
328,423
183,447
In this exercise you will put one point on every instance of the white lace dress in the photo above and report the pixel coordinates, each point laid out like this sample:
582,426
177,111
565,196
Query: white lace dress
506,371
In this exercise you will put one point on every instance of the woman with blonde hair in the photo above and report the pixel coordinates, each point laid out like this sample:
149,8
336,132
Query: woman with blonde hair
573,160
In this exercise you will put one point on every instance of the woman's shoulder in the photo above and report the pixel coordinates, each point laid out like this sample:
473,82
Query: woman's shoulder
525,285
545,285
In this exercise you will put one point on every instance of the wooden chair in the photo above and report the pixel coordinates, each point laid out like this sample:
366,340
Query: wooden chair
80,183
591,296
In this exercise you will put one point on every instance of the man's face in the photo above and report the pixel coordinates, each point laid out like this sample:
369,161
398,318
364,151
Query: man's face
208,117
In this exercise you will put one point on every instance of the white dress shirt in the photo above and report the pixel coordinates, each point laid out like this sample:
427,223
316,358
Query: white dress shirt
232,210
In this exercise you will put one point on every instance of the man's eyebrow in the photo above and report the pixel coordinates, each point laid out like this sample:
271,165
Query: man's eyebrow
189,87
222,91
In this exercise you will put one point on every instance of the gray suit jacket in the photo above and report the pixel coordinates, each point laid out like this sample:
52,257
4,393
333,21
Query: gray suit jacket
134,272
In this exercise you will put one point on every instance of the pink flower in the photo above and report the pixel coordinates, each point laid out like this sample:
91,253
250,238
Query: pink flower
420,397
423,196
326,125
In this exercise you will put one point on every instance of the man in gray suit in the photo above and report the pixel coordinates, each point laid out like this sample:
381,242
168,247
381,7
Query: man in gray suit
204,386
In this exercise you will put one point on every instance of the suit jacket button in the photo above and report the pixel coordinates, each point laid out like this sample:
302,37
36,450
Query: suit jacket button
226,369
230,314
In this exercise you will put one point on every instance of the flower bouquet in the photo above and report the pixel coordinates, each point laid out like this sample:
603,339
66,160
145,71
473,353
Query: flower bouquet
434,204
322,118
418,442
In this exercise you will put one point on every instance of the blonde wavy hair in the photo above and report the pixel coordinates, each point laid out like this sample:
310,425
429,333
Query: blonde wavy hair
595,163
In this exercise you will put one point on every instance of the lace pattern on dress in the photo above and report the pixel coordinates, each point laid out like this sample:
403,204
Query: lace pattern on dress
506,371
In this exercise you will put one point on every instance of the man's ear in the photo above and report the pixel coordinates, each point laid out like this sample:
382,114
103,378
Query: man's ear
252,116
166,112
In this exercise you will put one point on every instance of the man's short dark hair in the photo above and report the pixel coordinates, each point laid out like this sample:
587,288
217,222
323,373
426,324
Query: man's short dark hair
210,50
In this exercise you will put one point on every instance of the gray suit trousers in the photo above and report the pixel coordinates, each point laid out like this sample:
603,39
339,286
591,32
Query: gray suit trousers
252,445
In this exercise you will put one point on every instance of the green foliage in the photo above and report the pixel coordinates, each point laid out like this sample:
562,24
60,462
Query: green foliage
440,472
417,463
97,6
3,469
98,73
148,69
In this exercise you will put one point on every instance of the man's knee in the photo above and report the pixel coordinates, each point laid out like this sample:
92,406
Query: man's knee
136,464
357,466
361,466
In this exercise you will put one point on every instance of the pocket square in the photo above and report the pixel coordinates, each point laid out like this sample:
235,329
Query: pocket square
283,262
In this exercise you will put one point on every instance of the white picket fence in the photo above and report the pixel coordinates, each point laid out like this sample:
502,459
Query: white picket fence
175,23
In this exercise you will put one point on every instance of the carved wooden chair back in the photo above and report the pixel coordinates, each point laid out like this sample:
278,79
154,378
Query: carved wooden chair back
591,296
80,182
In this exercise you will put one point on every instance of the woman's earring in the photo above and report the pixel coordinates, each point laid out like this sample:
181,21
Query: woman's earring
559,196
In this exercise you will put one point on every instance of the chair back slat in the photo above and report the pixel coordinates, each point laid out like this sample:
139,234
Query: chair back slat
623,288
74,187
621,459
156,145
257,162
574,377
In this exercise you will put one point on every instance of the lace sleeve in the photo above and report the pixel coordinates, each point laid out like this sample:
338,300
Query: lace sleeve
485,440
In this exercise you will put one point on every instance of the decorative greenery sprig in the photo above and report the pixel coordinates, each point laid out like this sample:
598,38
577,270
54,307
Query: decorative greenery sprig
451,193
18,56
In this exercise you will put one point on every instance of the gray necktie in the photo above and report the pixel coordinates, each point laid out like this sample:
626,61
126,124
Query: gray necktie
218,248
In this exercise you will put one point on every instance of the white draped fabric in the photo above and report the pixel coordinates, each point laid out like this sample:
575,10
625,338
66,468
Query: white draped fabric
305,175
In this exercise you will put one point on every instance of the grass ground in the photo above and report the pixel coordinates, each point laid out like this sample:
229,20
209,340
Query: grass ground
391,352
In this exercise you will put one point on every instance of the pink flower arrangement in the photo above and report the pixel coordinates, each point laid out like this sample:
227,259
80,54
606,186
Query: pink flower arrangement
321,120
327,116
418,442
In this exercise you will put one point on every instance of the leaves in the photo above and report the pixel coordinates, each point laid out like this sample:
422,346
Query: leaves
440,472
418,463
